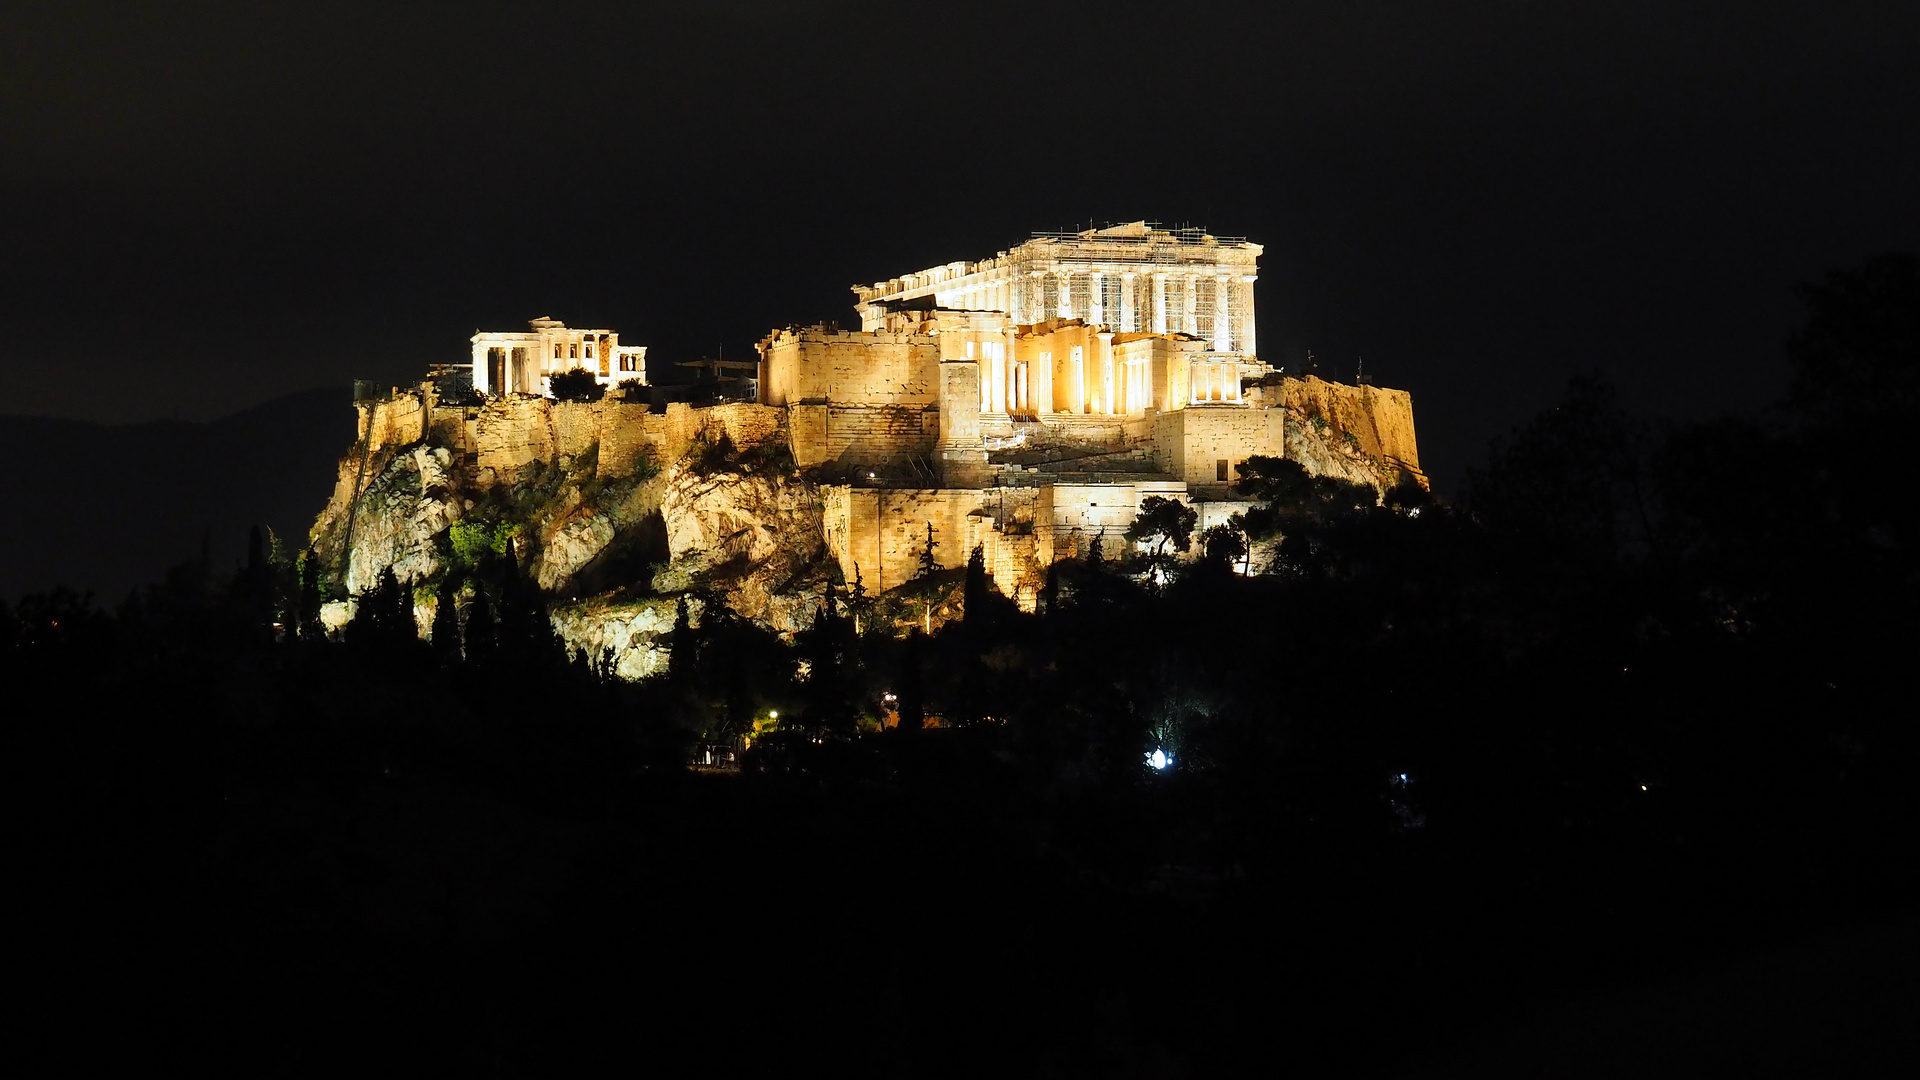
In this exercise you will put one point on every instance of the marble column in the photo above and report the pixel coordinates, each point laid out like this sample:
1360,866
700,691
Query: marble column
1007,345
1247,344
1064,309
1222,315
1126,302
1159,303
1106,367
1096,297
1190,306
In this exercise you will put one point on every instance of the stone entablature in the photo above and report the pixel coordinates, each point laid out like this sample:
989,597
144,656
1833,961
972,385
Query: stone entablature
523,362
1130,278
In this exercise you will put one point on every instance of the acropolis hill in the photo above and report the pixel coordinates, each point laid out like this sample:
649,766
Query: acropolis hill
1022,405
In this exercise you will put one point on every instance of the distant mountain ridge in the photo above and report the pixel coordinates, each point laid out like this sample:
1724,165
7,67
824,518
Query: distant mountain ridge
105,508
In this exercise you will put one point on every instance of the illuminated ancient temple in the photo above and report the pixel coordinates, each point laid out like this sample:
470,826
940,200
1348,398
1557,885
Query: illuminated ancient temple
522,361
1132,278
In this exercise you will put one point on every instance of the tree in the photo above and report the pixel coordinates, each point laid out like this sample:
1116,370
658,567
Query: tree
1164,523
1223,545
576,385
481,639
1573,481
307,622
446,622
928,564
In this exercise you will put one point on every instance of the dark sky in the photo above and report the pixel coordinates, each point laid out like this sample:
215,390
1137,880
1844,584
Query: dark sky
208,209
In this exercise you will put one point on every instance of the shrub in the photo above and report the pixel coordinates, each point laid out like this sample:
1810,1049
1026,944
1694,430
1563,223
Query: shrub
576,385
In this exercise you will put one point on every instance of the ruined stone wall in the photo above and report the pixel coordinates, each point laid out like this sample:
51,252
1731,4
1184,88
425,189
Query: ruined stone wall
512,430
1380,420
1087,430
399,420
1192,443
623,437
1069,516
576,427
880,533
860,434
816,365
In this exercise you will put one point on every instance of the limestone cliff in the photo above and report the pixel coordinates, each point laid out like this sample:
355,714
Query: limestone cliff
1359,433
614,544
618,513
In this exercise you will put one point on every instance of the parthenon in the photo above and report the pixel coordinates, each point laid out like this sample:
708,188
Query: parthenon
1133,278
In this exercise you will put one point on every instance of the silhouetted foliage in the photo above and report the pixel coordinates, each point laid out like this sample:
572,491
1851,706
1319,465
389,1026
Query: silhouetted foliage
578,384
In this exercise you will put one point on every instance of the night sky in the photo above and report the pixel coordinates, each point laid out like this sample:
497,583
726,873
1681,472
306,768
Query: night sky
207,210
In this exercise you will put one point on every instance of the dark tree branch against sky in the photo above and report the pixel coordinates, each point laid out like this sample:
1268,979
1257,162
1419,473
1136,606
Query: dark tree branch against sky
209,206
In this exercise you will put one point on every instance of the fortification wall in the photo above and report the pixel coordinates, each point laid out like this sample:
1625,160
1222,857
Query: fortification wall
861,434
512,430
398,420
817,365
1204,445
880,534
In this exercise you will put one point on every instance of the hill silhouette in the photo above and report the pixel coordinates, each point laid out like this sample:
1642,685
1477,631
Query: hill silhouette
104,508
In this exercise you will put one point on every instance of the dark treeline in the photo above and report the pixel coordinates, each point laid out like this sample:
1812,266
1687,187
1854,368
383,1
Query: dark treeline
1634,707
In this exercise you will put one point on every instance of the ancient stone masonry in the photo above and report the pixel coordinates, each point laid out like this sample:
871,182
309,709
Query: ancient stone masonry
1022,405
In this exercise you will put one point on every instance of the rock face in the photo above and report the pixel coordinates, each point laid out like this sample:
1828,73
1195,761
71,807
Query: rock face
635,635
746,536
755,535
411,500
618,513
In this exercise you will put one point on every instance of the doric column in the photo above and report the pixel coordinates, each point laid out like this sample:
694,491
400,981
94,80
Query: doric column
1064,309
1020,387
1106,367
1077,380
1190,303
480,368
1126,302
1096,297
1159,303
1007,345
1247,344
1222,326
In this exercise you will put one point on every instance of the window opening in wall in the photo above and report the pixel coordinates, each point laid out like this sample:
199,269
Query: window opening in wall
573,351
1220,469
556,350
589,350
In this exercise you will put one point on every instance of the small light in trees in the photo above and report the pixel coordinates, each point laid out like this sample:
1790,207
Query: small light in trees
773,714
1159,759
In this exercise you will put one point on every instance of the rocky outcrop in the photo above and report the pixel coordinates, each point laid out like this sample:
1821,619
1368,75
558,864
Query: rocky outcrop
635,635
394,521
754,536
1361,433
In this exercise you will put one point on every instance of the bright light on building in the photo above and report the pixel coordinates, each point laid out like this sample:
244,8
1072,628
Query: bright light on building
1159,759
